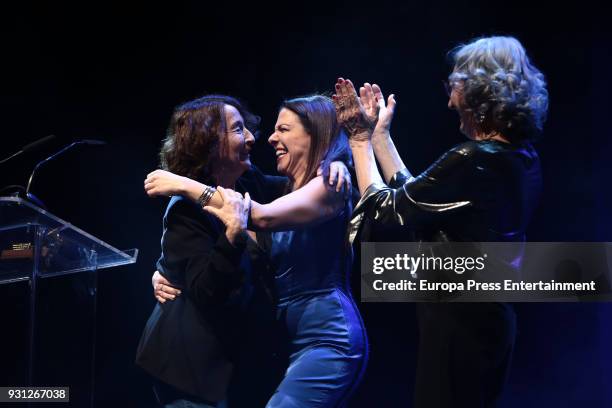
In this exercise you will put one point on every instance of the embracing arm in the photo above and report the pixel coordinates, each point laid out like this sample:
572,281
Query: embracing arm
315,202
210,265
311,204
165,183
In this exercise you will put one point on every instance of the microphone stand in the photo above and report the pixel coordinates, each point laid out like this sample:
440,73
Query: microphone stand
29,147
33,198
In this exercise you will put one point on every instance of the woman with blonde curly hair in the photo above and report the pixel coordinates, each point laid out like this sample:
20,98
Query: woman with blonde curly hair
483,190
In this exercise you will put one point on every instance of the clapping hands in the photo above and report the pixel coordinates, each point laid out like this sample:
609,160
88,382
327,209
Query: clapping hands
366,116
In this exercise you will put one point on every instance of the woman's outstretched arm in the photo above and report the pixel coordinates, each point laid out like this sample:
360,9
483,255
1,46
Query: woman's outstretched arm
311,204
370,107
386,154
316,202
360,126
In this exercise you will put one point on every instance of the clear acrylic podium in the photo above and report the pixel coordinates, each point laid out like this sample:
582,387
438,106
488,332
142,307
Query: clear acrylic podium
35,245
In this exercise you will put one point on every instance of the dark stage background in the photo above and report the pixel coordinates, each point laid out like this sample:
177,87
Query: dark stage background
115,70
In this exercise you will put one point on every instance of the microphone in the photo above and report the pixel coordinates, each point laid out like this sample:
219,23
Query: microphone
37,143
30,147
91,142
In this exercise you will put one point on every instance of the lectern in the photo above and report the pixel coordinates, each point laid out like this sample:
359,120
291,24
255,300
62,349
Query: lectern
36,245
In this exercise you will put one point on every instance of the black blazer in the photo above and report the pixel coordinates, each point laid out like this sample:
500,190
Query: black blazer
192,343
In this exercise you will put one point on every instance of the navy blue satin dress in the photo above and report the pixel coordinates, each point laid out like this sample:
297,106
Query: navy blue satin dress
327,340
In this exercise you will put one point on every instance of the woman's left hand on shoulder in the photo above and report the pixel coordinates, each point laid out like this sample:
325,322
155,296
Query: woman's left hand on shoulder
339,176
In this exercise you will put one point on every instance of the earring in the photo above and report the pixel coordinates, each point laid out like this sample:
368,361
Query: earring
481,118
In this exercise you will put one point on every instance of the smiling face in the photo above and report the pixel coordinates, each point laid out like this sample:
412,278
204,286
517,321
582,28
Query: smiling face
456,101
292,145
234,151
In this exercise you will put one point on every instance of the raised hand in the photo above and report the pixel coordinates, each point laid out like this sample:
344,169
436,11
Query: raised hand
374,104
385,112
351,113
368,100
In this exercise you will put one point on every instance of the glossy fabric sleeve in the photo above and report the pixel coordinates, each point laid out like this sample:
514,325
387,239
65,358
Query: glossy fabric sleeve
416,202
400,178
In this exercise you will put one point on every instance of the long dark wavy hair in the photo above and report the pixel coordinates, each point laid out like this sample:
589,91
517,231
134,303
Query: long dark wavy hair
197,130
328,142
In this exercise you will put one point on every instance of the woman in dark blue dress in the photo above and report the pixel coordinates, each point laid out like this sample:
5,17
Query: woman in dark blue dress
327,340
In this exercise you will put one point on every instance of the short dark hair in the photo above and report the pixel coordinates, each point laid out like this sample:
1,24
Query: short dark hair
195,132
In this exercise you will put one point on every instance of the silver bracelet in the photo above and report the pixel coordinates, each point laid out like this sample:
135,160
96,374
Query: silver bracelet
206,196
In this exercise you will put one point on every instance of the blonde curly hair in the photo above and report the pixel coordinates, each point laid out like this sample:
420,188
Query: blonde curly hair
505,92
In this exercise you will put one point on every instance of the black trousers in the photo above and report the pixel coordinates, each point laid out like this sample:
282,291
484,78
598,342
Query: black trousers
465,350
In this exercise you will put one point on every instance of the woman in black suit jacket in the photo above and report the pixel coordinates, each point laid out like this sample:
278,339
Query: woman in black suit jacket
189,345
